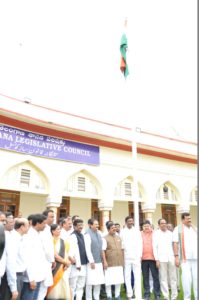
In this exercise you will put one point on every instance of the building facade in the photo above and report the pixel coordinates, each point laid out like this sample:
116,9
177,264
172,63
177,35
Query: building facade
84,167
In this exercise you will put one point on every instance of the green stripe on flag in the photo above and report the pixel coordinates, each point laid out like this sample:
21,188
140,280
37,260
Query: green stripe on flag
123,49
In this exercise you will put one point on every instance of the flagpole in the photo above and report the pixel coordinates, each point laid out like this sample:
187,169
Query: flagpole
133,138
135,190
125,71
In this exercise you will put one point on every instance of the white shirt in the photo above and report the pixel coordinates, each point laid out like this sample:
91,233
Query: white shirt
163,246
35,257
190,241
2,264
74,249
131,243
46,238
64,235
7,262
18,251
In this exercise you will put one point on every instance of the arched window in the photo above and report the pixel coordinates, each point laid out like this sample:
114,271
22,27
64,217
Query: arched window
123,190
25,177
81,184
166,193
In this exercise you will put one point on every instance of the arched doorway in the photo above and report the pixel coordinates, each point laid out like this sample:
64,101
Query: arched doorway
169,213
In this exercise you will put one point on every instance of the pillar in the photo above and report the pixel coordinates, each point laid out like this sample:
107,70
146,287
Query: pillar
148,210
183,207
53,204
104,214
148,215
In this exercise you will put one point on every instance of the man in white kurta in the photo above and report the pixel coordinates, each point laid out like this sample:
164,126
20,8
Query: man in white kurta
95,273
185,251
113,261
66,228
164,256
77,278
132,245
6,261
47,241
35,258
19,265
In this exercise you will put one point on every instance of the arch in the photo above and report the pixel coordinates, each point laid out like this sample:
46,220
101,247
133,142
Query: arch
123,190
83,184
167,191
27,177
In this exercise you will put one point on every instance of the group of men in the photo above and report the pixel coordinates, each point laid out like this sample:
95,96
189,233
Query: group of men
110,258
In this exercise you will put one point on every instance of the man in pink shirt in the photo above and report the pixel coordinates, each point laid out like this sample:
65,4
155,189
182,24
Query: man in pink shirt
149,263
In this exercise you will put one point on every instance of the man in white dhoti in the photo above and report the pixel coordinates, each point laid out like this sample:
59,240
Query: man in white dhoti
113,261
95,273
185,252
132,245
77,279
165,262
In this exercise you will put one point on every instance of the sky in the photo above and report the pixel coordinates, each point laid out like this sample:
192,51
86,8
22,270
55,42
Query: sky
65,55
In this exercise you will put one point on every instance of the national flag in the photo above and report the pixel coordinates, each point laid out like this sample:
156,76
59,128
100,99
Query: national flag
123,49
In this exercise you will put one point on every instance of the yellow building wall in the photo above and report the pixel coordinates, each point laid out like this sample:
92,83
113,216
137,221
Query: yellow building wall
119,212
82,208
157,215
194,214
31,204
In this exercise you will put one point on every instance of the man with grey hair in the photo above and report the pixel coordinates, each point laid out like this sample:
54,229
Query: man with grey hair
95,274
66,228
20,228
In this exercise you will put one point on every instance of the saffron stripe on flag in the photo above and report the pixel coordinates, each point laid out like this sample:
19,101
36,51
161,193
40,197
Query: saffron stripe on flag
123,48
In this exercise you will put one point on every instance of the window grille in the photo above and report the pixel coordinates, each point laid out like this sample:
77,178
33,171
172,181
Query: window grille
25,177
127,189
81,184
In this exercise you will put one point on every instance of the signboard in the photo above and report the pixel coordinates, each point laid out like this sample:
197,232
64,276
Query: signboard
41,145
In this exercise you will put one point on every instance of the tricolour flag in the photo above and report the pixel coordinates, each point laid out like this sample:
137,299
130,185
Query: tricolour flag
123,49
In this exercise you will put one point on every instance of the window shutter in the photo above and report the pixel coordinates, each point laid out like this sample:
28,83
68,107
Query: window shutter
25,177
81,184
127,189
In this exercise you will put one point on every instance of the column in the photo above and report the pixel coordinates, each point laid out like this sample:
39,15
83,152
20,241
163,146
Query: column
53,204
183,207
104,213
148,210
148,215
105,218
